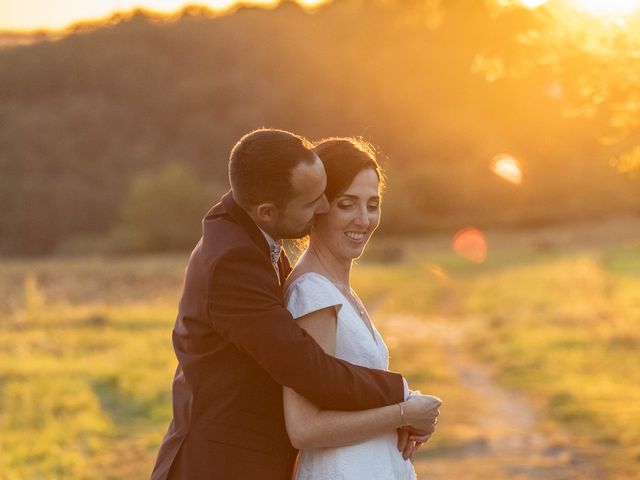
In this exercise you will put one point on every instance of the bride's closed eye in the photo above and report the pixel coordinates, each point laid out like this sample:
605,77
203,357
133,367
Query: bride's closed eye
372,207
345,205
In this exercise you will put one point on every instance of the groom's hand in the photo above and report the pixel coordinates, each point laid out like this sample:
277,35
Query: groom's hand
420,413
410,439
403,440
416,440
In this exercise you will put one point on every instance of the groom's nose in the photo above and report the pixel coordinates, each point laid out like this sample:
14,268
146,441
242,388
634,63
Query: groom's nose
323,205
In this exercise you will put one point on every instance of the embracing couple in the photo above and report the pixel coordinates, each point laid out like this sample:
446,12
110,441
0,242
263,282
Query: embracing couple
281,373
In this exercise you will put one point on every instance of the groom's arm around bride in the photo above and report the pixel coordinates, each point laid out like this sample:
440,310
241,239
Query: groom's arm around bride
237,344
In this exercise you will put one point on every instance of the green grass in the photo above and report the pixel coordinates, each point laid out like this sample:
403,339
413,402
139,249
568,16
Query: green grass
563,327
86,361
80,384
568,332
84,381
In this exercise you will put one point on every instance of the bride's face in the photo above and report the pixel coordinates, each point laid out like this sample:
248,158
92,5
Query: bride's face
352,218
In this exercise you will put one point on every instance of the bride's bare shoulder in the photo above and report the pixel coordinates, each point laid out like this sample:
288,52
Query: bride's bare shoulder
305,265
295,274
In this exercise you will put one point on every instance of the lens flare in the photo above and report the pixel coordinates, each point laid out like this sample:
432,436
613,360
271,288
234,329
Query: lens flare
471,244
507,168
439,273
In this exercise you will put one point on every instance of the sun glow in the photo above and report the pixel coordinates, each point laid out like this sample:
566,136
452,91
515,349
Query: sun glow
607,9
533,3
25,15
615,9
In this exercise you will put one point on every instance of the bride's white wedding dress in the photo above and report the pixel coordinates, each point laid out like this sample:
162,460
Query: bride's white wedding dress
374,459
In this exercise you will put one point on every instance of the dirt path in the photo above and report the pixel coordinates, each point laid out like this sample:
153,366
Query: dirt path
505,438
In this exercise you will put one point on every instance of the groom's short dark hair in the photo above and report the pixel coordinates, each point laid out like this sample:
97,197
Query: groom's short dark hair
261,163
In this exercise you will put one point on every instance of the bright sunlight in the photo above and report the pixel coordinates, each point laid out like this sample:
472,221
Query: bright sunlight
615,9
607,9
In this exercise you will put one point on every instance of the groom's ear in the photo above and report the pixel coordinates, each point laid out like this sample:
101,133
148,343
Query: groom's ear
267,212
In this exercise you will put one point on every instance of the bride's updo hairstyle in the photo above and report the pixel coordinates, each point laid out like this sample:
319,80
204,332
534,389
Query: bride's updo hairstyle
344,158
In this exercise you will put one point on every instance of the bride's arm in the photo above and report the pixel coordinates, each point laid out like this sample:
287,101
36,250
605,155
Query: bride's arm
310,427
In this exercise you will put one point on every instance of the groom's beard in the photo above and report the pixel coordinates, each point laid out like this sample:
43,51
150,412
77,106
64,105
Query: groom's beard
302,233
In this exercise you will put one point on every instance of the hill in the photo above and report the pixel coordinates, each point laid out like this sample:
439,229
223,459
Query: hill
87,118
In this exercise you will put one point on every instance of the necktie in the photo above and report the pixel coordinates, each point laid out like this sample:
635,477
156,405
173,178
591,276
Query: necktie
275,251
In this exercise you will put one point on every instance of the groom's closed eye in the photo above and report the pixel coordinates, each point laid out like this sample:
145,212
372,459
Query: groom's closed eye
310,204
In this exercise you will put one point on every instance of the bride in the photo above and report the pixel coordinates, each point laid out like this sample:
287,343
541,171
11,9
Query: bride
347,445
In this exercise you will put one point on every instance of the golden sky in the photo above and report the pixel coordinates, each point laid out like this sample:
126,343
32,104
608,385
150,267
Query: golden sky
57,14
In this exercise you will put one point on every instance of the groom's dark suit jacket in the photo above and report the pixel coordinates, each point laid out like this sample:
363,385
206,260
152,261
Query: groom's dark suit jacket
236,346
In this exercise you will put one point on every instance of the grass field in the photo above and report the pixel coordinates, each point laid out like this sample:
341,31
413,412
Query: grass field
86,360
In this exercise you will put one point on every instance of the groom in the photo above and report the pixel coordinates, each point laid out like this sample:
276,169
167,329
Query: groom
236,344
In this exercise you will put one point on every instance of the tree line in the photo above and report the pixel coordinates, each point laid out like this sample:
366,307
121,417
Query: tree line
116,137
